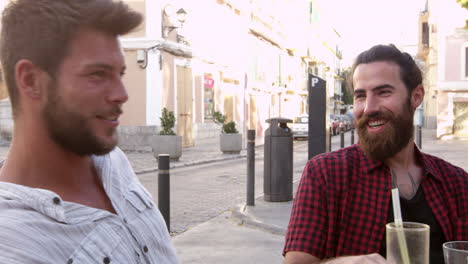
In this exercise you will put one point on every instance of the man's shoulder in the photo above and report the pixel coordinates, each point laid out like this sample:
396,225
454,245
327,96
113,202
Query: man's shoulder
18,222
441,167
23,238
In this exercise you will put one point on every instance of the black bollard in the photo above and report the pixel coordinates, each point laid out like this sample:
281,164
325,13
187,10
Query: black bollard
164,190
251,167
330,143
352,136
342,138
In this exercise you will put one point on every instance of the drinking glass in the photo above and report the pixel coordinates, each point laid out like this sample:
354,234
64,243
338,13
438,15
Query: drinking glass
456,252
411,240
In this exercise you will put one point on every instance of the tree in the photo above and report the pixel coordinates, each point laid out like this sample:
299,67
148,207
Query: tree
347,94
464,4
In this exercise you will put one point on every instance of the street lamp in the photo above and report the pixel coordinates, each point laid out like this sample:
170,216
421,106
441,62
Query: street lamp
168,17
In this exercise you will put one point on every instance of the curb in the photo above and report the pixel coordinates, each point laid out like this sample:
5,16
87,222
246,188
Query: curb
244,219
193,163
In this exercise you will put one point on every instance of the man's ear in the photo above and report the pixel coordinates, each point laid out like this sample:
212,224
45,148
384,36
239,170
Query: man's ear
29,79
417,96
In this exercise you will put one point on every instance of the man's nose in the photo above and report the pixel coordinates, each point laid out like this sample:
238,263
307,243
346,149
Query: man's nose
119,93
371,105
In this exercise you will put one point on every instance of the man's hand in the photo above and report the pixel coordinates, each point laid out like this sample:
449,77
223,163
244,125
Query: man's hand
294,257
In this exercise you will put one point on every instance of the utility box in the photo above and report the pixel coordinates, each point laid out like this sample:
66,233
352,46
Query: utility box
278,163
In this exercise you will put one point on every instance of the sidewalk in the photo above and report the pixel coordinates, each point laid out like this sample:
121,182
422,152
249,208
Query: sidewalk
205,151
255,234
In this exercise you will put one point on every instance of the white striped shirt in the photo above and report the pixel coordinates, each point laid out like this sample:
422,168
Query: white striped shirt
37,226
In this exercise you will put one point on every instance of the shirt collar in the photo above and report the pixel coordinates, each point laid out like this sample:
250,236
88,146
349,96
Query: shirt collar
423,159
427,163
43,201
366,163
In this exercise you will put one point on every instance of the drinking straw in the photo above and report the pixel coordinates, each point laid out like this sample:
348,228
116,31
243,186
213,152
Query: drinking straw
399,226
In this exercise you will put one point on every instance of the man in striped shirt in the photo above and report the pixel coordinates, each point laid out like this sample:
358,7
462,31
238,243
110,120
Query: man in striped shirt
67,194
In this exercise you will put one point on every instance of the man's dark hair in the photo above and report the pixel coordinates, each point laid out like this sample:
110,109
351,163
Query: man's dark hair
41,31
409,72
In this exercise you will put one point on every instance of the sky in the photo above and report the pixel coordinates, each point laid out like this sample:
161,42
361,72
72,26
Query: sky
364,23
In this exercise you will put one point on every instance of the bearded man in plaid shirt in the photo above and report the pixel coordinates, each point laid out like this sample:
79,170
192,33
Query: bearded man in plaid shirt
344,198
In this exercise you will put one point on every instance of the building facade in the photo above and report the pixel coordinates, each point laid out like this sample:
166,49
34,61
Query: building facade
443,48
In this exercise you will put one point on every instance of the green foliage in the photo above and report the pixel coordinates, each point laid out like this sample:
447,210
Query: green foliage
167,122
219,118
227,128
464,4
230,128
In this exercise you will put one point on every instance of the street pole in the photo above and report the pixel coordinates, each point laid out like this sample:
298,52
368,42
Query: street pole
342,138
251,167
164,188
352,136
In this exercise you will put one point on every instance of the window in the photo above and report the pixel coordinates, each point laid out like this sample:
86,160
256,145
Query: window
425,34
466,62
208,96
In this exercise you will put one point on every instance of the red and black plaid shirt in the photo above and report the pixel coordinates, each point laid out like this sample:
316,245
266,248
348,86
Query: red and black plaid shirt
342,202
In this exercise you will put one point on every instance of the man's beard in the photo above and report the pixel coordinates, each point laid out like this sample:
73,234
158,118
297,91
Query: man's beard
395,136
72,131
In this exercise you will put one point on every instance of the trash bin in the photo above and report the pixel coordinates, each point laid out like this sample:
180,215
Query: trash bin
278,164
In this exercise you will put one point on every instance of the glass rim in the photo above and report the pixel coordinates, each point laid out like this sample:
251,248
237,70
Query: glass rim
445,245
415,226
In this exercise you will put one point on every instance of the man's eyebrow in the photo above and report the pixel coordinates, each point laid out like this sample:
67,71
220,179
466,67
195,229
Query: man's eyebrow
104,66
383,86
380,87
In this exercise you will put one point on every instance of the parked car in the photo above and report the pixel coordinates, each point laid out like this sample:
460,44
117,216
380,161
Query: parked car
300,127
344,122
350,115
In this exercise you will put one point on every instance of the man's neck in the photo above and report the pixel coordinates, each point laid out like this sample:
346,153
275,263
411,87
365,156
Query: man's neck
403,159
38,162
406,172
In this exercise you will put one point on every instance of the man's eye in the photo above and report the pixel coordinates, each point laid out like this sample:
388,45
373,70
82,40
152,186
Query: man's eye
384,92
99,74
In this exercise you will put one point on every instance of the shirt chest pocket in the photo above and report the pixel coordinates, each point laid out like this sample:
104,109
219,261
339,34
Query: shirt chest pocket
138,198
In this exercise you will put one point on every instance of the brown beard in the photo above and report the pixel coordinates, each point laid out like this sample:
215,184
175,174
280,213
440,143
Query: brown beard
71,130
392,139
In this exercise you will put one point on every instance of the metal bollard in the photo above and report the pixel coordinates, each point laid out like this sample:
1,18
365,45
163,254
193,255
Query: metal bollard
352,136
164,189
342,138
251,167
330,136
419,136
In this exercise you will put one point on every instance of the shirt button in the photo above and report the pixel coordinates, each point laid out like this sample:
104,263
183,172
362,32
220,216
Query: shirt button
106,260
70,261
56,200
145,249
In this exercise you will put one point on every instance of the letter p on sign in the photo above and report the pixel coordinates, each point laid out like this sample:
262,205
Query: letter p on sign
314,81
